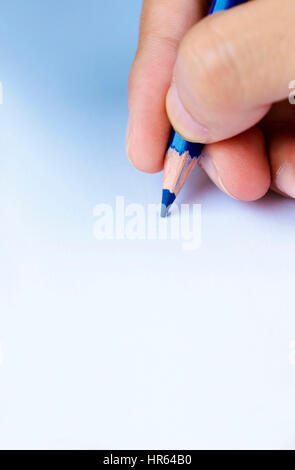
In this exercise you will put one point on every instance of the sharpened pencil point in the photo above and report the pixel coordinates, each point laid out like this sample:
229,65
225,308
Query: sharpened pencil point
167,199
164,211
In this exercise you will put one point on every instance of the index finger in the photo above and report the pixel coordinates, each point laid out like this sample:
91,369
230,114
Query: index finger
163,24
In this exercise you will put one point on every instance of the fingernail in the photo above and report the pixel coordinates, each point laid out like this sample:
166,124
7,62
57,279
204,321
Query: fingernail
182,121
209,166
128,139
285,179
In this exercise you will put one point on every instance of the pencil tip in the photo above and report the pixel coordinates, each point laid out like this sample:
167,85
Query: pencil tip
164,210
167,199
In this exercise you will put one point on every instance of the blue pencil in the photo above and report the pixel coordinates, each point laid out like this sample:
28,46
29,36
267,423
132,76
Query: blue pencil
182,156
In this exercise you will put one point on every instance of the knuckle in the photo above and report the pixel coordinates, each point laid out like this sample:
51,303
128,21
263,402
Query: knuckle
155,39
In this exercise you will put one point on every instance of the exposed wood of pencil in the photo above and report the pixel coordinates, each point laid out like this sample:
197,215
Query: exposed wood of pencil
177,169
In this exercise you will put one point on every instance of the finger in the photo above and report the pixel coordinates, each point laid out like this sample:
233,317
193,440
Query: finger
282,160
163,24
239,166
278,127
230,67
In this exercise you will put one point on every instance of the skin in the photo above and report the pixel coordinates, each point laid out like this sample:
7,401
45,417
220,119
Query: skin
222,80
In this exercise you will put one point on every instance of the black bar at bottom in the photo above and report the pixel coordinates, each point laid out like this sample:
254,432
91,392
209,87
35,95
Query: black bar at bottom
131,458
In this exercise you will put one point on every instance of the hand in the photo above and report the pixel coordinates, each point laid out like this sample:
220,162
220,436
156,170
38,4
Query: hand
223,80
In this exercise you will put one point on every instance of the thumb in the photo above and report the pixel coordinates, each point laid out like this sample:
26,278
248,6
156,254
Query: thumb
230,68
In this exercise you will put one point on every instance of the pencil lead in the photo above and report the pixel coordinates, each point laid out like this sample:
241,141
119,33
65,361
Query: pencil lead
167,200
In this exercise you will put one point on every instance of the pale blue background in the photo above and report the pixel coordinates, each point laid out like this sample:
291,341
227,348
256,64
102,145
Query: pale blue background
125,344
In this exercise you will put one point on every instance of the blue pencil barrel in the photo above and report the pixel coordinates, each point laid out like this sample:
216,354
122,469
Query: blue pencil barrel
220,5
